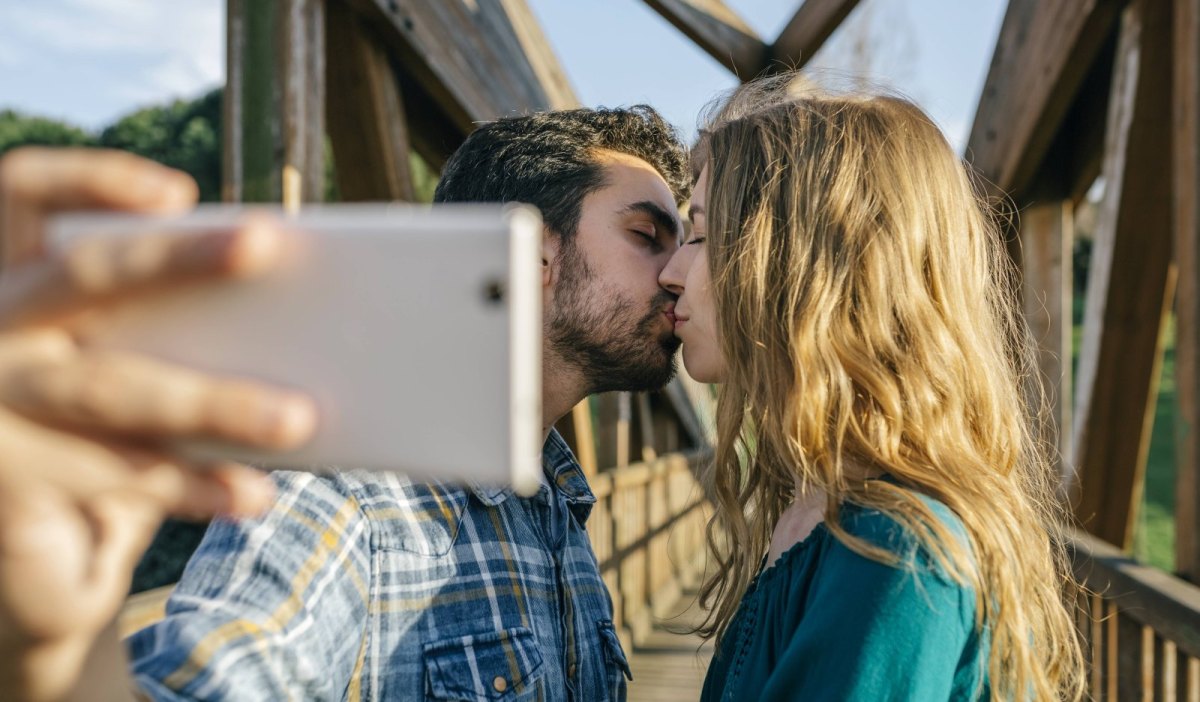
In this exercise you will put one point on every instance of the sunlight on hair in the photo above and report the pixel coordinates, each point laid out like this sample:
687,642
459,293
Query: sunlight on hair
868,310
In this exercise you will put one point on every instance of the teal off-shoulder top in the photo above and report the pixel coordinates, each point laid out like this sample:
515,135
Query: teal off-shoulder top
824,624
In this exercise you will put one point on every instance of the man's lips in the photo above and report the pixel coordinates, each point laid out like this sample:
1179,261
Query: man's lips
670,313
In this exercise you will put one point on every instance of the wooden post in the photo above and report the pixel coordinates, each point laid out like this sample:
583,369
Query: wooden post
613,410
644,434
368,127
470,56
1046,239
1041,58
1130,283
275,102
585,437
624,420
1186,176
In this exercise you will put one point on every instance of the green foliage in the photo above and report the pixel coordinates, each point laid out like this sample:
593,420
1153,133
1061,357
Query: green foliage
425,179
17,129
185,134
1154,530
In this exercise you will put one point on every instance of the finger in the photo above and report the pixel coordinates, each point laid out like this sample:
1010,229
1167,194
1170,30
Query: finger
78,468
134,396
69,179
37,181
248,492
198,493
99,271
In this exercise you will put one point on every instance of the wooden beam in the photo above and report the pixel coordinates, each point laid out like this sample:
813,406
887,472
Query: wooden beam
576,429
808,29
1046,238
613,415
441,45
304,93
624,422
1154,598
532,40
685,408
719,31
367,124
1130,282
433,135
1075,157
1186,196
274,102
643,429
1044,51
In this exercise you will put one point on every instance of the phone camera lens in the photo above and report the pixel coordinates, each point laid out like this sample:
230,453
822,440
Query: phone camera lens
494,292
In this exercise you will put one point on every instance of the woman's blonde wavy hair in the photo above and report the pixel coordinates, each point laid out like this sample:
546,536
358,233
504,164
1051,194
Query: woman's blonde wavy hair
865,306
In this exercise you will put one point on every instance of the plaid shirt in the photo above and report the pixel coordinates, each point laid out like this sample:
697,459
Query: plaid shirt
365,585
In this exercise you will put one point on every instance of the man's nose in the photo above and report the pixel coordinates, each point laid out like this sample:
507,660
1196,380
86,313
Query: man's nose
671,277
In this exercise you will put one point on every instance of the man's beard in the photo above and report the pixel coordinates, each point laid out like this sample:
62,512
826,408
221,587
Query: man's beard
611,346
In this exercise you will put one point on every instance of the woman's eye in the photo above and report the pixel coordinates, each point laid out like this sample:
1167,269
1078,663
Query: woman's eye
697,240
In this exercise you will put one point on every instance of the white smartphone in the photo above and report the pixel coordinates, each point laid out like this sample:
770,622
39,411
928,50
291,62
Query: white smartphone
417,330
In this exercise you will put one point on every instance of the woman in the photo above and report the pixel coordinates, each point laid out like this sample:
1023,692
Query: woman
875,443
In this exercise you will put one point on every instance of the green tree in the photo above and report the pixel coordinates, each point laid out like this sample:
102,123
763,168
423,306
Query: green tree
17,129
185,134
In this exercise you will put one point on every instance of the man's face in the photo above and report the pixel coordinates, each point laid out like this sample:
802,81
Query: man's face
608,316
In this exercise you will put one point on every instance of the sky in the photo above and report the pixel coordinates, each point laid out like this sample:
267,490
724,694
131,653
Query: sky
91,61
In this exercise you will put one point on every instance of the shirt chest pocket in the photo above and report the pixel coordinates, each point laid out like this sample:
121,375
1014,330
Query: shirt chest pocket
503,666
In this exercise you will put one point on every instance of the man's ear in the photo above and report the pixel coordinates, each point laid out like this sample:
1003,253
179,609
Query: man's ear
550,248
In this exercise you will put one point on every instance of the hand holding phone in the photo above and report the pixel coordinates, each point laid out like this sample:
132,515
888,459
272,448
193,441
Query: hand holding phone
416,330
84,477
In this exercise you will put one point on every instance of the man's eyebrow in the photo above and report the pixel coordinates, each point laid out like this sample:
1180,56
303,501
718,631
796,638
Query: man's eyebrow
661,217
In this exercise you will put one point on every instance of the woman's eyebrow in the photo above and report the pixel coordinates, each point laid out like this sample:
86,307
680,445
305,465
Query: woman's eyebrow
695,210
661,217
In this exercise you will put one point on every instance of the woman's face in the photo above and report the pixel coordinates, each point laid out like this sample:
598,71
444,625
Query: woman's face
686,275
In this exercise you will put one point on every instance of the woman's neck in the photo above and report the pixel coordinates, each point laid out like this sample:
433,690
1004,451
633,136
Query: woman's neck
808,510
797,521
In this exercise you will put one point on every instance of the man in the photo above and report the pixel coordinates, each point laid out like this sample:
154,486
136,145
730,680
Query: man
368,585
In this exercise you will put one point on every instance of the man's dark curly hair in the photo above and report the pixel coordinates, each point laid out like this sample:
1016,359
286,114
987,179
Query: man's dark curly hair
548,159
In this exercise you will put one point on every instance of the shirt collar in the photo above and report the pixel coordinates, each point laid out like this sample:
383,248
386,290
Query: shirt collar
561,469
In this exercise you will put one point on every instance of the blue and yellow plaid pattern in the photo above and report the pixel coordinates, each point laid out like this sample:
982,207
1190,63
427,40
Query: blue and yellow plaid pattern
365,585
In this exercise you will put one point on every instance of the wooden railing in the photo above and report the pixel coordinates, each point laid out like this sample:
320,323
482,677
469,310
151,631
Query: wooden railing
647,529
1140,627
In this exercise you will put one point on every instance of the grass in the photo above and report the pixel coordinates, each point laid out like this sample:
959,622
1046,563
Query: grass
1154,531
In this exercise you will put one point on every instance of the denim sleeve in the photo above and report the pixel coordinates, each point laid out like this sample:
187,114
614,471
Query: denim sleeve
270,608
